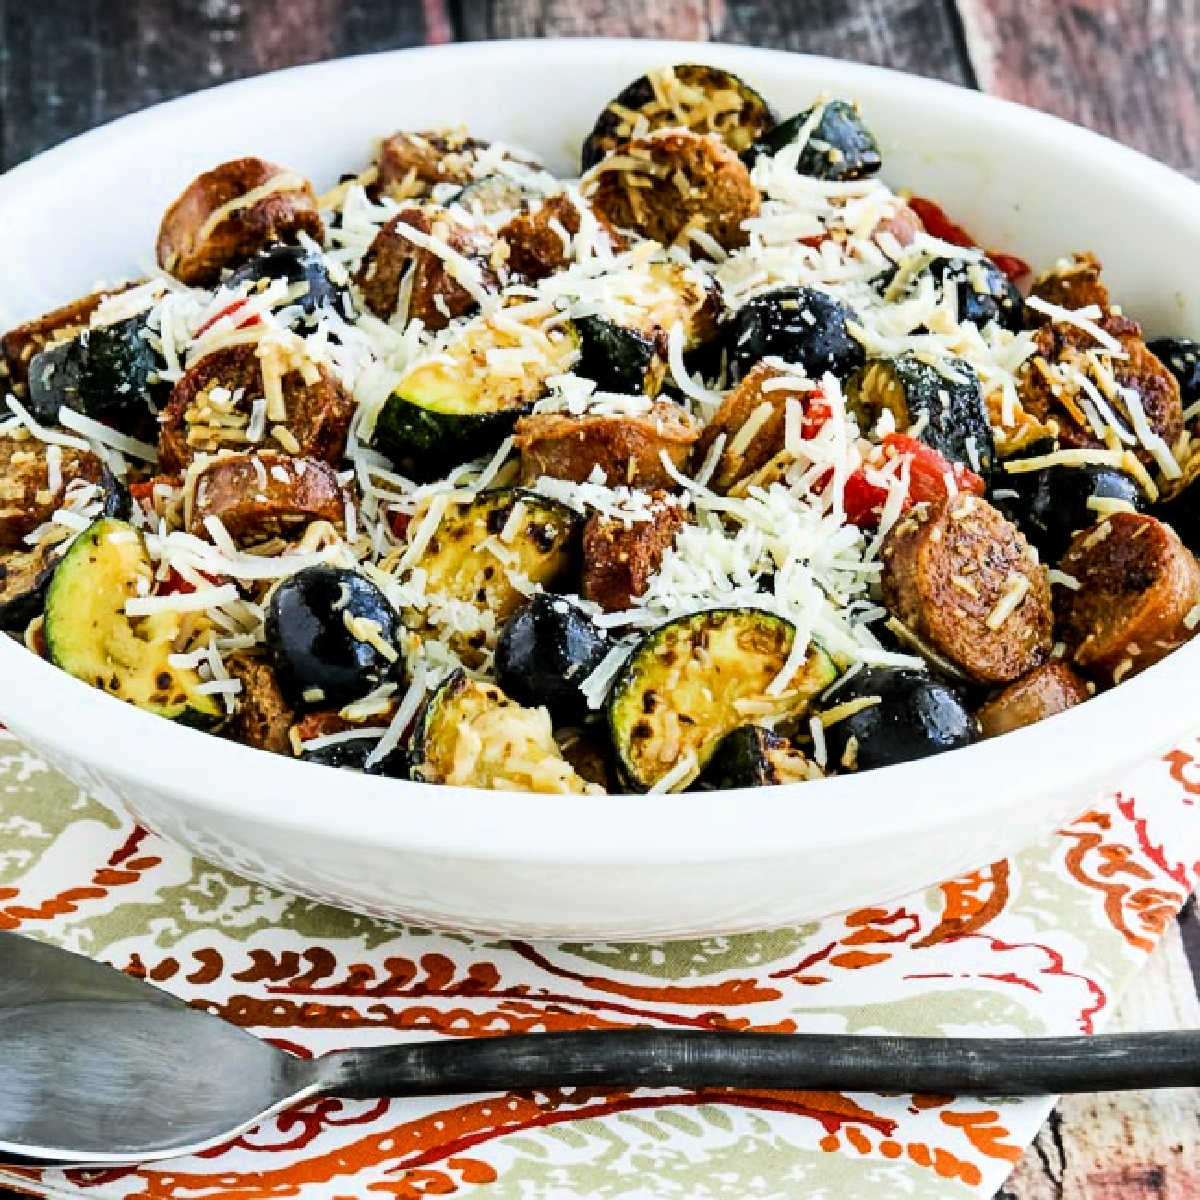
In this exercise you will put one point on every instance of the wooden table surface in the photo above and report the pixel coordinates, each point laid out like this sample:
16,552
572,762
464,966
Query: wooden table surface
1129,68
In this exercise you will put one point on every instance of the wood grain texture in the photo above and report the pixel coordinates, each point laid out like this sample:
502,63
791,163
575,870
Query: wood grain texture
1128,69
1136,1146
68,65
912,35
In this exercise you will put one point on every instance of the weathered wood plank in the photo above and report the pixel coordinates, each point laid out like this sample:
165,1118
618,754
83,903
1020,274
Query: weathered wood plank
1129,1145
1129,69
67,65
913,35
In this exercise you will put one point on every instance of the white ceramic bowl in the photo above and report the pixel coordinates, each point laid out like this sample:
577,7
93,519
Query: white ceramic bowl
621,866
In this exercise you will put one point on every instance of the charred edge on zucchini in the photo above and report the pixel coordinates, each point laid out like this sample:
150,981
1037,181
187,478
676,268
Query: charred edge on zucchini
693,680
109,374
25,576
470,734
89,635
753,756
839,147
950,414
479,546
450,407
689,95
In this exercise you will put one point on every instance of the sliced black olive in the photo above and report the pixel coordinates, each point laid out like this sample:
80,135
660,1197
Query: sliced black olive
903,715
545,651
1181,356
689,95
950,413
619,359
983,291
798,324
352,756
1051,504
294,264
753,756
110,373
332,636
840,146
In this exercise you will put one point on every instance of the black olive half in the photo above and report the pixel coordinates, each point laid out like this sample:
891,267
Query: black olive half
352,756
1051,504
294,264
840,146
800,325
333,637
545,651
983,291
911,716
1181,356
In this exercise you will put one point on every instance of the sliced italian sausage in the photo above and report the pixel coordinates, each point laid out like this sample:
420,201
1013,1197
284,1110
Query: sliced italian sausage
224,215
261,495
668,184
1051,688
212,408
1137,588
628,449
539,238
966,581
1072,283
263,717
409,165
28,494
619,558
435,295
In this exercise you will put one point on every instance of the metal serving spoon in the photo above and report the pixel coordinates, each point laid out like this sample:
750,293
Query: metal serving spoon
97,1067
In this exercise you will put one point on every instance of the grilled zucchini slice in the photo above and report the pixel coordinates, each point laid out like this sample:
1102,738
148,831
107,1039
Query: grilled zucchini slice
457,402
623,348
89,636
690,96
25,576
479,548
694,680
955,416
470,734
754,756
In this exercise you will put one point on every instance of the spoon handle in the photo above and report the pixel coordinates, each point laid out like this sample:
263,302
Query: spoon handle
697,1059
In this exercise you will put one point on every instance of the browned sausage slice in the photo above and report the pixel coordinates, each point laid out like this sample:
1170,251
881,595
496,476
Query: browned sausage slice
410,164
1072,283
666,184
436,296
27,498
1051,688
224,215
536,248
619,559
262,495
262,718
1138,585
626,448
966,581
212,408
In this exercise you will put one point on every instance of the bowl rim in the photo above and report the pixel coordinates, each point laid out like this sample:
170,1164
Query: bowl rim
1069,753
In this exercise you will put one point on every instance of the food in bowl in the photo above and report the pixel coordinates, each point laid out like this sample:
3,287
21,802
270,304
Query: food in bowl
722,465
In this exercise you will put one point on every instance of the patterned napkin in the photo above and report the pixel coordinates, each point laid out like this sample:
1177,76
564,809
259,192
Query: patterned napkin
1039,944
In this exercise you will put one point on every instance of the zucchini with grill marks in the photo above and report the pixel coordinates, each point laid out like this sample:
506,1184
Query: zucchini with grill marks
25,576
950,414
470,734
694,680
688,96
89,635
462,400
754,756
839,147
480,548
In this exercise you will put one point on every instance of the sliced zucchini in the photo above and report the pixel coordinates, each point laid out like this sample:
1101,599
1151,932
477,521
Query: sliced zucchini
839,146
950,415
89,636
754,756
689,95
109,374
480,548
623,348
470,734
25,576
455,403
694,680
491,194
